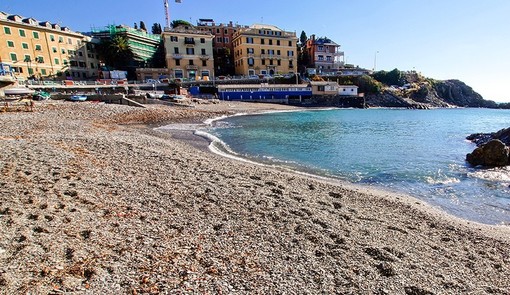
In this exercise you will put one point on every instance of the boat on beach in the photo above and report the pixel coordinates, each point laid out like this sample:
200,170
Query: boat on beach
78,97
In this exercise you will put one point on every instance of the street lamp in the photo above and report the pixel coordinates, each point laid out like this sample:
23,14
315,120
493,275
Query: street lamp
375,60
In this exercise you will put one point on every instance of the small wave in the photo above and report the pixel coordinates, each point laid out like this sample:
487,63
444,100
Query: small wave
501,175
441,181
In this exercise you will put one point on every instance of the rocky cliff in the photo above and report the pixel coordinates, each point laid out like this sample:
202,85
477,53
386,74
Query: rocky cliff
427,94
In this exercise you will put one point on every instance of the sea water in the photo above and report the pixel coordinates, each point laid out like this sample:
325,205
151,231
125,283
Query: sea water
417,152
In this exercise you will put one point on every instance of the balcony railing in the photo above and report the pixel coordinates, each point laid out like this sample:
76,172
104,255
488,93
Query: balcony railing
177,56
205,57
189,41
192,67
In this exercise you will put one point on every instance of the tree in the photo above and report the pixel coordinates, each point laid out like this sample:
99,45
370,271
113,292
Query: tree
115,52
180,22
142,26
156,29
136,26
303,38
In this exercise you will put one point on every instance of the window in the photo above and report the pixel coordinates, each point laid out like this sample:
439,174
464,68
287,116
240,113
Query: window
204,63
291,64
27,58
279,62
225,40
263,61
270,41
320,48
176,50
178,74
189,40
22,33
60,40
219,39
226,31
65,62
174,39
43,71
191,62
52,38
10,44
36,35
251,61
202,40
190,51
321,57
92,66
290,53
7,30
69,41
270,62
203,51
63,51
74,63
40,59
80,53
14,57
24,45
251,50
278,52
290,43
82,64
249,40
278,42
262,51
54,49
262,41
30,71
177,62
217,31
57,61
328,58
38,47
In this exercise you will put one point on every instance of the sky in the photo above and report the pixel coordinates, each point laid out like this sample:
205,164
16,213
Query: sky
468,40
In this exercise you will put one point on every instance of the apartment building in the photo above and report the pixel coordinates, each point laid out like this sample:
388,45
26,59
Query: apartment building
39,50
325,55
143,45
223,46
189,53
264,50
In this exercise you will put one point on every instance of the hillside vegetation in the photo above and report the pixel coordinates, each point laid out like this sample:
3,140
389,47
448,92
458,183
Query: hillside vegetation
412,90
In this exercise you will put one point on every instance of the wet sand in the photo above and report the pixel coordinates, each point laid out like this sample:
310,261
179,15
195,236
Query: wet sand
95,201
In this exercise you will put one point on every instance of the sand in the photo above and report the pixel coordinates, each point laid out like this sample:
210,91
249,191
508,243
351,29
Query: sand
93,200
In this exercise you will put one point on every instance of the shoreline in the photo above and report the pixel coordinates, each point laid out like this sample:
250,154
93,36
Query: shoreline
90,204
378,189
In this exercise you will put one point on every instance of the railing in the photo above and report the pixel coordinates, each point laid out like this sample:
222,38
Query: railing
177,56
191,67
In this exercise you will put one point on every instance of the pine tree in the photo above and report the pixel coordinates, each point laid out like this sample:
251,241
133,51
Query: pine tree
142,26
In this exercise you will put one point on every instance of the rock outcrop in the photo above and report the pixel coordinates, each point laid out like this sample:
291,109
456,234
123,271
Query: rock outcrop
493,149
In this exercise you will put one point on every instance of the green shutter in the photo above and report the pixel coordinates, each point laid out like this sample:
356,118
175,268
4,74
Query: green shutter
14,57
7,30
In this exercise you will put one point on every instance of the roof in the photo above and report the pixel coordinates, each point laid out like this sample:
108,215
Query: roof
324,41
267,27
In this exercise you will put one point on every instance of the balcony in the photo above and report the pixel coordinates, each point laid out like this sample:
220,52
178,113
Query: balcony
189,41
191,67
205,57
177,56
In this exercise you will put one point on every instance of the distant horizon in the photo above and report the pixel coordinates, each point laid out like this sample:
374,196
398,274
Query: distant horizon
462,40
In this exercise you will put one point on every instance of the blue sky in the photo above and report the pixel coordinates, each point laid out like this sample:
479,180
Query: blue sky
444,39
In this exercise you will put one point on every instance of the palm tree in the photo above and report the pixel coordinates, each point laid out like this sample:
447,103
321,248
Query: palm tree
115,52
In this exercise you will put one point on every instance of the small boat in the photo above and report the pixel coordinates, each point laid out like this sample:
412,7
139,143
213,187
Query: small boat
41,95
78,97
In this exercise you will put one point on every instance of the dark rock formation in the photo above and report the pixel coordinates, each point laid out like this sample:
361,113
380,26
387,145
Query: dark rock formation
492,154
482,138
457,93
493,149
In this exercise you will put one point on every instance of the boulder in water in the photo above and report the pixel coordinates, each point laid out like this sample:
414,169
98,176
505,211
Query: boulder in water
492,154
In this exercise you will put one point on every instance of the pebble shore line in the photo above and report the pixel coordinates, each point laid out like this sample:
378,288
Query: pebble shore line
93,200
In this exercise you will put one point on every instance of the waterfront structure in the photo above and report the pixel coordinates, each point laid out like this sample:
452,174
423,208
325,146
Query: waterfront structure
264,50
143,45
325,55
265,92
223,46
189,53
40,50
329,88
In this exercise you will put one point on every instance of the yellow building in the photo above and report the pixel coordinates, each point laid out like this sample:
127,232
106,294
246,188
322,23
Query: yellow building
264,50
189,53
38,50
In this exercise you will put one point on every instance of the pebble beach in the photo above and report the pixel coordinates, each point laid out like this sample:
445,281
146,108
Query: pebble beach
95,200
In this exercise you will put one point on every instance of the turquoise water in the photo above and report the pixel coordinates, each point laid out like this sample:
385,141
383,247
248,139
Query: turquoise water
419,152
